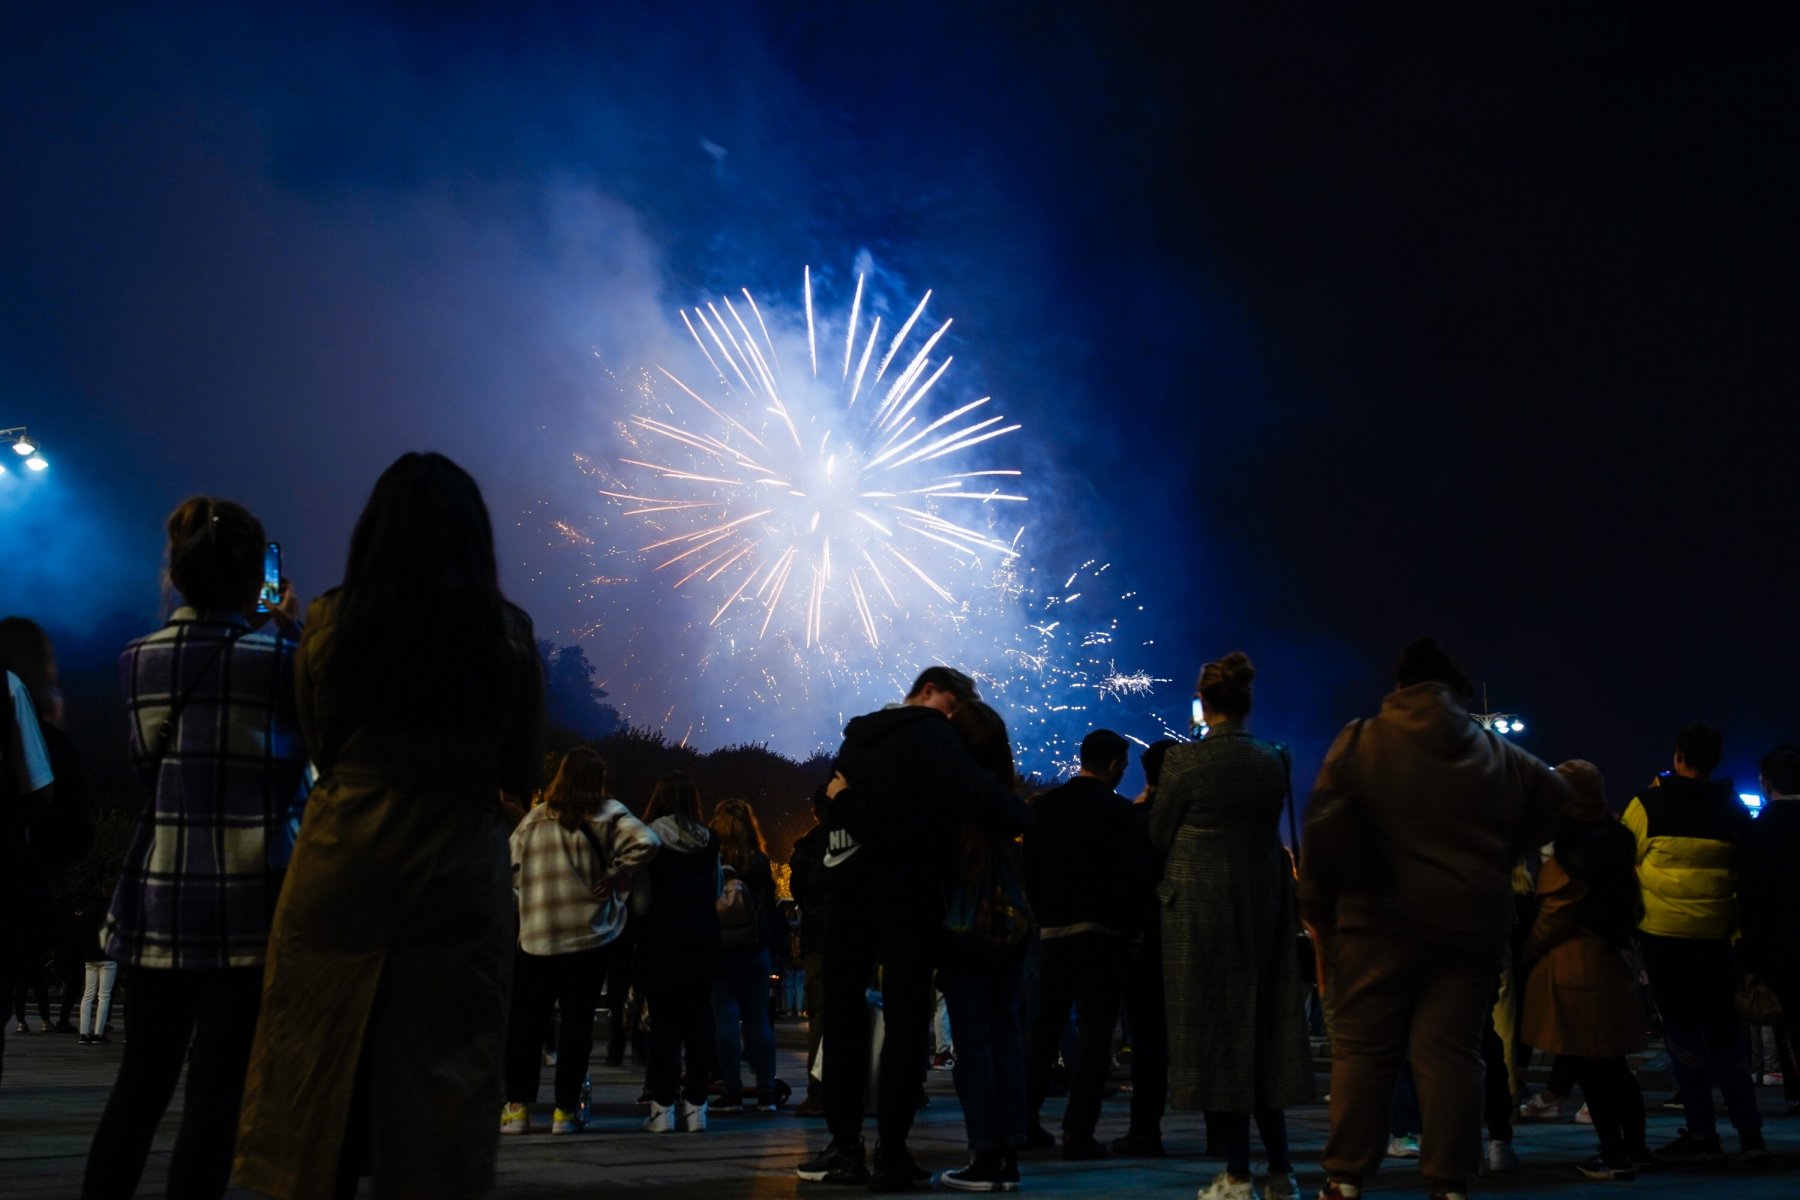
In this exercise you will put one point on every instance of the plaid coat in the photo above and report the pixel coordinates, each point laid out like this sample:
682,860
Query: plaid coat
1231,975
197,888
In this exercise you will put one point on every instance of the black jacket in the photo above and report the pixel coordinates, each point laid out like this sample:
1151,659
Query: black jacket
894,834
1087,860
1768,866
807,883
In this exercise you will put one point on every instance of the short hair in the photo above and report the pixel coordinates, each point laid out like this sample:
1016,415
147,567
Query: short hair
945,679
215,552
1225,685
1780,769
1152,759
1701,747
1101,749
1424,661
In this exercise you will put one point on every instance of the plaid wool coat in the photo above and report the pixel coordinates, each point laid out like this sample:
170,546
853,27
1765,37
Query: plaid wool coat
1231,974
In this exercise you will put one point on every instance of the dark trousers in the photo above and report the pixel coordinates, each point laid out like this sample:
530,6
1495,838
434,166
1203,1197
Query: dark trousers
990,1052
1395,995
1614,1101
215,1011
572,982
1562,1077
1145,1010
681,1025
32,982
1693,981
904,945
1233,1129
1088,970
1498,1106
814,997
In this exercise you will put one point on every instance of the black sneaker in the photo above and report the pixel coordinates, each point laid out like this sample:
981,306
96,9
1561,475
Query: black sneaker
1085,1149
1600,1167
1674,1104
986,1172
1691,1150
836,1164
812,1106
1039,1138
1752,1150
1136,1145
896,1171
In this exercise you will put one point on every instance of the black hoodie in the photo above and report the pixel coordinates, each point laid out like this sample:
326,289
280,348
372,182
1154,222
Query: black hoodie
894,833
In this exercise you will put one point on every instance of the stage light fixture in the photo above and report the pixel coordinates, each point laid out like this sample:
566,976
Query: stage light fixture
23,446
36,462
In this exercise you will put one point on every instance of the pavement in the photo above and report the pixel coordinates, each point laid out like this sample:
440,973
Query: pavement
55,1088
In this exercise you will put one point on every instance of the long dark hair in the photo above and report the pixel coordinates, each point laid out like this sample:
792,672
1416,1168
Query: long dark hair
421,617
579,787
983,731
1603,855
675,795
740,835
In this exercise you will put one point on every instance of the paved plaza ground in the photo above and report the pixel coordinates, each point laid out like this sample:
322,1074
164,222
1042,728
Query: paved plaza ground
54,1090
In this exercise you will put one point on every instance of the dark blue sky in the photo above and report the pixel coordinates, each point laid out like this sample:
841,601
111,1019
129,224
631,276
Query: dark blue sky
1327,326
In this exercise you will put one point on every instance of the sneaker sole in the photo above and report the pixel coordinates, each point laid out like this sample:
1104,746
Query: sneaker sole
829,1178
966,1185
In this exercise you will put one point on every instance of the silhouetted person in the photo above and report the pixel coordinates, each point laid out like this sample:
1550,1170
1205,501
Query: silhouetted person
1769,903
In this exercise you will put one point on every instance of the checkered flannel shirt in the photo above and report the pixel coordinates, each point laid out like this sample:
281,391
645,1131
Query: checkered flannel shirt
554,872
198,885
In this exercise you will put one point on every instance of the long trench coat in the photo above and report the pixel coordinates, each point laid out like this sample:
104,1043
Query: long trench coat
1581,996
384,999
1231,973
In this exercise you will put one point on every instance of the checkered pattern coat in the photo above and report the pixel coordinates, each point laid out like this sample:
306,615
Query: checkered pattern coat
198,886
554,873
1231,973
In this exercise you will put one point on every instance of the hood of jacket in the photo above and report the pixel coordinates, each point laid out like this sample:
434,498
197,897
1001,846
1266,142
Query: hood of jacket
865,731
680,836
1431,715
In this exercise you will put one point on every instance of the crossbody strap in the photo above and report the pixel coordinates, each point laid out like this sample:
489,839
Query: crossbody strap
166,730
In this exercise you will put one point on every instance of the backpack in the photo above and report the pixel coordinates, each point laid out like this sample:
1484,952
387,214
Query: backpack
739,928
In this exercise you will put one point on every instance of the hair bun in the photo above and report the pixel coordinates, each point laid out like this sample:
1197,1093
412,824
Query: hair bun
1237,669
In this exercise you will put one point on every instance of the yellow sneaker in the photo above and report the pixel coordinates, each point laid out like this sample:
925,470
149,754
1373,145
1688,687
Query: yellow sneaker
566,1122
515,1118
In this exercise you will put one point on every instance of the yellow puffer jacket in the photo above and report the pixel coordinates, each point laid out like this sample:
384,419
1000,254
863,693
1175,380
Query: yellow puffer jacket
1687,833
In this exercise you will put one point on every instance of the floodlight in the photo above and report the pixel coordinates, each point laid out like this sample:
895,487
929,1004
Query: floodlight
36,462
23,446
1501,725
1518,726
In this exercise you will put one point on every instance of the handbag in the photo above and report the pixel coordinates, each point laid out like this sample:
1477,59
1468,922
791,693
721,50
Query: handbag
986,910
1343,849
1757,1003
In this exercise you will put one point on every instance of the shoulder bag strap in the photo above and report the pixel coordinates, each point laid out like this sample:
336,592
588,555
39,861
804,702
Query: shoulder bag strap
166,730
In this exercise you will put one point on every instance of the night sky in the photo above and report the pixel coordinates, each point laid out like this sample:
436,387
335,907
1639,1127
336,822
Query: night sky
1328,326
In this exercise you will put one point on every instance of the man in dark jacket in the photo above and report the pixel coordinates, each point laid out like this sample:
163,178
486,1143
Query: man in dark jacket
1087,874
903,786
1447,808
1769,898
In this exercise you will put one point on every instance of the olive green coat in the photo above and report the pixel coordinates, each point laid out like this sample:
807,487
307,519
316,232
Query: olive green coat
1231,974
392,944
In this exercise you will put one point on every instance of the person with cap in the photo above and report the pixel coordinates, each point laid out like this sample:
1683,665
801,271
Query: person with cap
1581,996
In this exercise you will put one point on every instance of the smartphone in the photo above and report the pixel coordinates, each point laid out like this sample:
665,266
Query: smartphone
1199,713
271,586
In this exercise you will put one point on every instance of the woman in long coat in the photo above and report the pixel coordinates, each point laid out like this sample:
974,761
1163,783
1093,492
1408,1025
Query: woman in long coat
1581,994
384,1001
1237,1036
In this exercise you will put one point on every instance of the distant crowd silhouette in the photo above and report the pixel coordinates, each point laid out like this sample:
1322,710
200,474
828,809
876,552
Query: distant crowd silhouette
361,918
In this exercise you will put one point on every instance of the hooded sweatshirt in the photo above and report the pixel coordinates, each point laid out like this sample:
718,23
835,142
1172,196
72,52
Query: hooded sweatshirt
1687,833
1453,806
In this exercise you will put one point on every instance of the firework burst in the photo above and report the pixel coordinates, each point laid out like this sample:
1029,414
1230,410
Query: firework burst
799,499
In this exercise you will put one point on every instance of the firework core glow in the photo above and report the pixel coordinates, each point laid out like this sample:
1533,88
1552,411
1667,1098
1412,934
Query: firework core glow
811,513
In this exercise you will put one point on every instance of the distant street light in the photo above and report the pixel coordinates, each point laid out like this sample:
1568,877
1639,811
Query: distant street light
24,447
1499,722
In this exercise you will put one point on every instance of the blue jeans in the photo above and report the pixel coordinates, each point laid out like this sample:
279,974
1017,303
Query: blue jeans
990,1053
742,995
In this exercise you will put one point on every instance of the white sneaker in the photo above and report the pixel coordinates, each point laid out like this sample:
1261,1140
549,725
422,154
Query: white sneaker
1583,1116
515,1118
1404,1146
1541,1107
1226,1186
1282,1187
660,1120
691,1117
1501,1158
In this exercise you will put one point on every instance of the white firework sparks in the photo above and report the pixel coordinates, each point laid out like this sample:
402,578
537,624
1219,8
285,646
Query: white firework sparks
802,497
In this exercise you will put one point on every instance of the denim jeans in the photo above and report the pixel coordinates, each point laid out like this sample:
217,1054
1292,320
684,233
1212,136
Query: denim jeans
1693,981
741,996
96,998
990,1053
